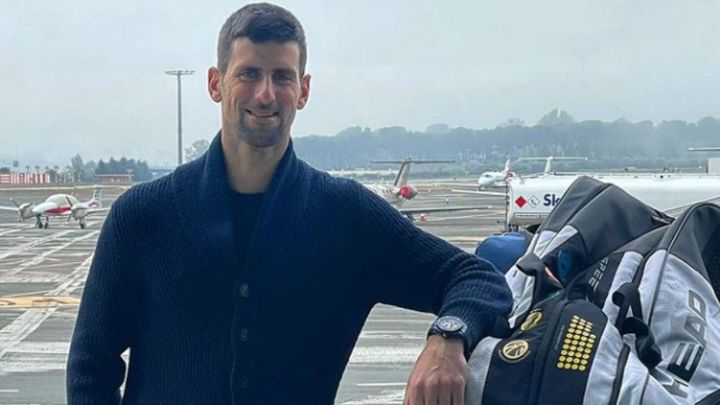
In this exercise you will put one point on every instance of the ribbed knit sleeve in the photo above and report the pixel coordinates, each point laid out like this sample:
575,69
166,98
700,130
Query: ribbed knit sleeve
413,269
95,370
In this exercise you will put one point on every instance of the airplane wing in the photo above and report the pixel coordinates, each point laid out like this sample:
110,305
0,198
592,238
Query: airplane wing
476,192
6,208
410,211
96,210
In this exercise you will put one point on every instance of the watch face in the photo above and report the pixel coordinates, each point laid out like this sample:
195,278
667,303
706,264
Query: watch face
449,324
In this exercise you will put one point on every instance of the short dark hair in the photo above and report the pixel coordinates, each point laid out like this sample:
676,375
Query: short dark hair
261,22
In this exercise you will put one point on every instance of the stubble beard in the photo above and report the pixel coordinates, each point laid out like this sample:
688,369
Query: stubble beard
258,136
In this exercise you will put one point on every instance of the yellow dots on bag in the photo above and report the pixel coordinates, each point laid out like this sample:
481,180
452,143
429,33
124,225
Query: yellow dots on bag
577,345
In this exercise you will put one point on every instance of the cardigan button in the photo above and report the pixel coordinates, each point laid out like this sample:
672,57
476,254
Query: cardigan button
243,335
244,290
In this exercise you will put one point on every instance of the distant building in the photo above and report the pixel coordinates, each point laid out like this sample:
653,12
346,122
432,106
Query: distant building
122,179
714,165
24,178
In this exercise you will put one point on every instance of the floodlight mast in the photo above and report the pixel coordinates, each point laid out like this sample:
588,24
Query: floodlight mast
179,73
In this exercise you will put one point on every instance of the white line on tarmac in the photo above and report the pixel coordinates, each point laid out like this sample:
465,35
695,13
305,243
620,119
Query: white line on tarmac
3,233
9,391
39,258
25,324
34,243
393,397
381,384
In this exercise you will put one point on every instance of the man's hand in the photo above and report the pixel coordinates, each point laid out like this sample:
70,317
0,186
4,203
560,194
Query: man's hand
439,374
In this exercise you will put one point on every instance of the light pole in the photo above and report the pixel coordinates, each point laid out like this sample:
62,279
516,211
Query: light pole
179,74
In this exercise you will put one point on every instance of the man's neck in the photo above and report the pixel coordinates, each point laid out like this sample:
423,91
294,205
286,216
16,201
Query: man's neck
250,170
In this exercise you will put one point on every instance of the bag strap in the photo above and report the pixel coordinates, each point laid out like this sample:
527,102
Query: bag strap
628,297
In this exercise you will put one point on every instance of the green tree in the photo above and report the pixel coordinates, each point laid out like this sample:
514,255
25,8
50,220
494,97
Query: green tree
196,149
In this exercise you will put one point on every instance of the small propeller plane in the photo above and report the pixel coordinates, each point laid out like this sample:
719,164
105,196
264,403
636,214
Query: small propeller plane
59,205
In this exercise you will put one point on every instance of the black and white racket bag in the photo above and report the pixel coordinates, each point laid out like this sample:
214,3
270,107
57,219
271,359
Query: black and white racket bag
613,303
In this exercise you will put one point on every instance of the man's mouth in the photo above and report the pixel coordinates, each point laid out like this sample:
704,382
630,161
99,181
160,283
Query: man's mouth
262,113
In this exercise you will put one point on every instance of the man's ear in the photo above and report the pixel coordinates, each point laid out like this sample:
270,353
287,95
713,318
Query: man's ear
304,92
214,79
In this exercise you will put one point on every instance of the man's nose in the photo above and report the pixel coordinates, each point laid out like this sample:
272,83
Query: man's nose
265,91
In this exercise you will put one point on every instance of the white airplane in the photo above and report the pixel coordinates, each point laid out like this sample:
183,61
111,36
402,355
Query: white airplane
548,170
400,191
495,178
530,200
59,205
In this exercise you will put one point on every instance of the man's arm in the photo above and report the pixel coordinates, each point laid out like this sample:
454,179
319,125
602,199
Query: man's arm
416,270
95,370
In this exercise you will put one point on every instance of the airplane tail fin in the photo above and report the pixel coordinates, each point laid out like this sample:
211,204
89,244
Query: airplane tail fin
402,177
97,196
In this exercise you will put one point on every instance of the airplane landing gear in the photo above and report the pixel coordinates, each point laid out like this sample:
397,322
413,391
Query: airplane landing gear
82,224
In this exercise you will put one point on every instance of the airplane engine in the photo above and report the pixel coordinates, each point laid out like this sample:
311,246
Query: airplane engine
408,192
25,211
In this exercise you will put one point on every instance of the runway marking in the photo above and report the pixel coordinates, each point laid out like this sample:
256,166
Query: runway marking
3,233
402,384
25,324
34,243
385,397
385,354
9,391
37,302
41,257
465,239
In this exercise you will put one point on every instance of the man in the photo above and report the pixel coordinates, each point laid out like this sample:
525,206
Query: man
246,276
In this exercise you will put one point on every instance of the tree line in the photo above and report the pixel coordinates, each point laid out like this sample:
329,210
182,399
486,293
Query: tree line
607,145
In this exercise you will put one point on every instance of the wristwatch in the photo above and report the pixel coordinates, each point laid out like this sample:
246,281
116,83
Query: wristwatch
451,327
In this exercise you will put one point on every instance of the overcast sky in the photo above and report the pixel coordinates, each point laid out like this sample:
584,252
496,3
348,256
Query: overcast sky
88,76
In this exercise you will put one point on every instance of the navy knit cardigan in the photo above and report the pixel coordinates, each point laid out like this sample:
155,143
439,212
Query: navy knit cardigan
205,326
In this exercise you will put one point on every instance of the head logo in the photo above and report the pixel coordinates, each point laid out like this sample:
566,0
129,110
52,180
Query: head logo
531,321
520,201
515,350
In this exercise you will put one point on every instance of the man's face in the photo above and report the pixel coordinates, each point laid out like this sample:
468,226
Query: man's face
260,91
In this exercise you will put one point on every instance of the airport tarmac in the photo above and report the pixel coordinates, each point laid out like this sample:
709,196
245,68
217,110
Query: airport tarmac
42,273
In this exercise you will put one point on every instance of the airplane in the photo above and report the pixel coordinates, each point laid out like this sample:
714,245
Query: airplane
530,200
495,178
400,191
59,205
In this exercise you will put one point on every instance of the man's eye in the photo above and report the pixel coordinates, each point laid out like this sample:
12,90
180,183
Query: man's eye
284,78
249,75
